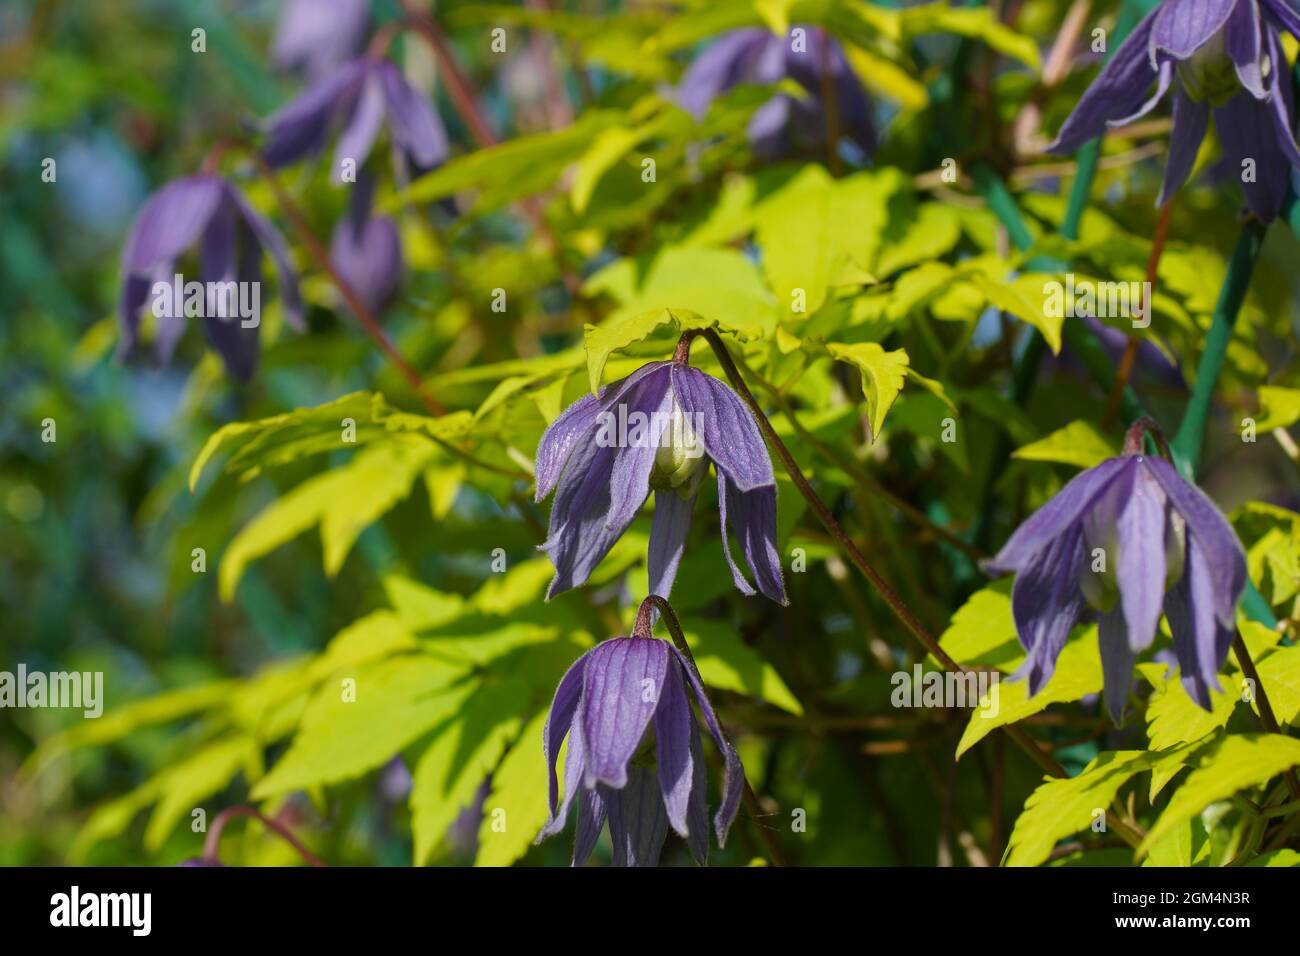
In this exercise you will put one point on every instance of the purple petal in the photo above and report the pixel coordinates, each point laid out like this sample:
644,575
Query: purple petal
733,774
591,817
237,345
1118,90
1190,120
300,128
742,585
367,251
319,34
726,426
672,521
697,809
1247,131
718,69
621,688
673,722
1285,14
364,121
1214,538
416,129
564,705
171,222
1054,518
1045,602
1201,641
1182,27
574,424
1140,565
753,514
1164,76
1117,660
575,765
629,479
1281,102
638,824
1243,44
273,242
767,127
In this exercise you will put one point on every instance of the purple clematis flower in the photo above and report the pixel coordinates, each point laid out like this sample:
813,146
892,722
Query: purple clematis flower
367,251
315,36
1227,58
785,122
1130,538
358,97
208,212
658,428
641,780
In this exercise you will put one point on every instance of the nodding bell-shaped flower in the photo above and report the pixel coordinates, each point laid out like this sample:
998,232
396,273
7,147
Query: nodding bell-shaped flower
207,213
657,429
357,98
634,758
367,251
1129,538
785,122
1227,59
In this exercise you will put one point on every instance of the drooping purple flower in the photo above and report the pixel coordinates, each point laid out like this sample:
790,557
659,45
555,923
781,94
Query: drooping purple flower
1227,58
357,98
634,756
784,123
208,213
658,428
367,251
315,36
1129,538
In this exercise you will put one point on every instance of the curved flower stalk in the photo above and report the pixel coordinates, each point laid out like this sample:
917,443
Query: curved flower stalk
367,251
658,428
1222,57
358,98
634,758
315,36
1129,538
209,212
785,123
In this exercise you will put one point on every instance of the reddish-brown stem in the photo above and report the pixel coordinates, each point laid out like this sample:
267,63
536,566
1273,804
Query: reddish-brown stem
1127,360
350,296
1266,715
860,562
213,842
1133,438
457,86
830,104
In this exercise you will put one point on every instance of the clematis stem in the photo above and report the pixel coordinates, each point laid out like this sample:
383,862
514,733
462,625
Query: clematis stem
213,841
1131,346
641,628
1139,430
859,561
1266,715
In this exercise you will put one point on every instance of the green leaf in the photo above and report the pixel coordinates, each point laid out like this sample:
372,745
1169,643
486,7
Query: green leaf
983,630
609,146
1173,717
1023,298
460,758
1278,408
184,786
978,23
725,662
396,701
1078,444
516,808
1276,858
1078,674
1279,673
882,376
607,338
1237,762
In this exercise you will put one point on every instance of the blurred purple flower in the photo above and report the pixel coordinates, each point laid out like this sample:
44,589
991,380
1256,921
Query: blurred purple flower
208,212
658,428
357,97
1151,361
642,781
315,36
785,122
367,251
1129,537
1227,56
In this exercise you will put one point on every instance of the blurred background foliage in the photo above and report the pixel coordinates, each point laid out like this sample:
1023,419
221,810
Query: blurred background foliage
219,684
